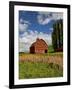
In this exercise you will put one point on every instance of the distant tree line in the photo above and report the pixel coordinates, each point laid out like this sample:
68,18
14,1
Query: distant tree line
57,35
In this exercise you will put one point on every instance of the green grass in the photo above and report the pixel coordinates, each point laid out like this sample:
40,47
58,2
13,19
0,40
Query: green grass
44,54
29,70
50,49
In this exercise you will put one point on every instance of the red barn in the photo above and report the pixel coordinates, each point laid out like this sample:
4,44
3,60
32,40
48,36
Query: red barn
39,46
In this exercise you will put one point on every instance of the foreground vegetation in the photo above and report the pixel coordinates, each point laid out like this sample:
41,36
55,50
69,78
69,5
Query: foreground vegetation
56,58
39,70
41,65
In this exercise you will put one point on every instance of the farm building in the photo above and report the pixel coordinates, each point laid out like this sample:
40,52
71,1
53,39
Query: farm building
39,46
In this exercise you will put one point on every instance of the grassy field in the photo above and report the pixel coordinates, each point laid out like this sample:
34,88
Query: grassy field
41,65
56,58
38,66
39,70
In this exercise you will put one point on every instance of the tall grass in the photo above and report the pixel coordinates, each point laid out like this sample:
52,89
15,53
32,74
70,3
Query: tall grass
48,58
39,70
41,65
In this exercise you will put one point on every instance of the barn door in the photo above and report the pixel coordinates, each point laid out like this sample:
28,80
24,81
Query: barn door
46,51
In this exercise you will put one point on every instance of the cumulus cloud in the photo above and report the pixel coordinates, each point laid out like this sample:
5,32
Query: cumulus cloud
57,16
23,25
51,29
45,17
29,37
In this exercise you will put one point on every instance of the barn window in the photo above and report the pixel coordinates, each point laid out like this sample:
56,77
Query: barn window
46,51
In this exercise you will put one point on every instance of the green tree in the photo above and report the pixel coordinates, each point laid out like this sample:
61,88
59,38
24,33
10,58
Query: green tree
57,35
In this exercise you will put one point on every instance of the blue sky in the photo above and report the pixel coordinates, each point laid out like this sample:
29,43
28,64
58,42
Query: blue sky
31,17
33,25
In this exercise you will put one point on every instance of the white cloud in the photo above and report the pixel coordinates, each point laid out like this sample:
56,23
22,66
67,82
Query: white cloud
51,29
57,16
45,17
29,37
23,25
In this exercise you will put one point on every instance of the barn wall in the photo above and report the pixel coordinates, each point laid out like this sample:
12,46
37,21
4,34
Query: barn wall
32,49
39,47
39,51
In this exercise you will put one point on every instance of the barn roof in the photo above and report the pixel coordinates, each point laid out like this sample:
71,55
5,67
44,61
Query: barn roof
33,44
41,40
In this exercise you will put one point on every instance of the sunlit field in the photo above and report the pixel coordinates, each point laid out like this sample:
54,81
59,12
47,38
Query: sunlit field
40,65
